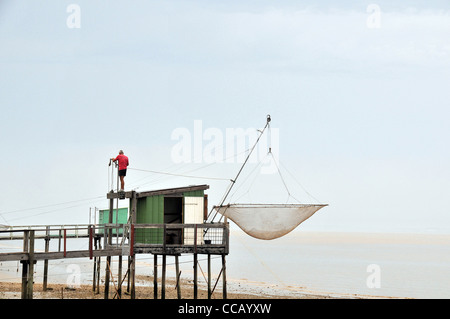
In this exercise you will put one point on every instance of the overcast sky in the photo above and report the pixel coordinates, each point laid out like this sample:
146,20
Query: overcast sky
358,92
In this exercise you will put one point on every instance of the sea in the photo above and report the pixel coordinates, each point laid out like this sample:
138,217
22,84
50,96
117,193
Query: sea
334,264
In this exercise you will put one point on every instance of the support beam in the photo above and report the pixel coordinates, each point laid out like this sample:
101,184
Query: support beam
119,278
195,276
224,277
209,277
108,233
178,273
26,235
31,263
47,246
94,274
132,260
163,277
155,276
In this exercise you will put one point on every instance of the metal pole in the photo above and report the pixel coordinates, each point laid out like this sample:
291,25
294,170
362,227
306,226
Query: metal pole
233,181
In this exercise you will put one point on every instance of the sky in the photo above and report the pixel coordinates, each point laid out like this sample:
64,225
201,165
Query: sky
358,94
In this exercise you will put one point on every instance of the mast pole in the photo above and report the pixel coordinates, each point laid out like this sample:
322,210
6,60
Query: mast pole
233,181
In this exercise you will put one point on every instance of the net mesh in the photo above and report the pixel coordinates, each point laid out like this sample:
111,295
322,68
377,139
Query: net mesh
267,222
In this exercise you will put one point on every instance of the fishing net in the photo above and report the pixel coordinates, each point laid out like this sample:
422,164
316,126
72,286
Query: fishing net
268,221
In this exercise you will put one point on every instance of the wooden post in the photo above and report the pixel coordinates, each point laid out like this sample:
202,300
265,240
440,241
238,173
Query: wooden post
132,260
209,276
94,275
163,278
109,242
31,263
119,278
177,269
47,245
129,275
91,235
195,276
65,242
26,235
224,277
59,240
155,276
99,260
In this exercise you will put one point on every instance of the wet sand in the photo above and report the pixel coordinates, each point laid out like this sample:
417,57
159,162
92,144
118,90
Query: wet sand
12,290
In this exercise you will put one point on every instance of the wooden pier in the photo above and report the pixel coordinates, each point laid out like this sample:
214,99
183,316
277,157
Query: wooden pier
119,240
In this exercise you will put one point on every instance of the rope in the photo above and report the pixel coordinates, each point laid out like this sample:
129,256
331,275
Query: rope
180,175
45,206
282,179
293,177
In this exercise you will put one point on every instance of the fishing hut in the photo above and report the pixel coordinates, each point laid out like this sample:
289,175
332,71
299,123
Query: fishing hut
169,222
165,222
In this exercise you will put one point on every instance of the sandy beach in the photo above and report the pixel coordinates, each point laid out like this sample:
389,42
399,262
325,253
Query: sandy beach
12,290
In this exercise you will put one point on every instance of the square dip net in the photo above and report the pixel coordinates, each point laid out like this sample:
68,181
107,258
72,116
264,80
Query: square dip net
268,221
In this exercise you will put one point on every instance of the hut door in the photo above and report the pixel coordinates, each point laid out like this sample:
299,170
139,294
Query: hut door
193,214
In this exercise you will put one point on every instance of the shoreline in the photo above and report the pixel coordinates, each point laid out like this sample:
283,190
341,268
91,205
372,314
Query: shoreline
144,290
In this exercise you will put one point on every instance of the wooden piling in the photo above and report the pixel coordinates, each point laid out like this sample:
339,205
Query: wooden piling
119,278
94,274
31,262
131,276
163,277
47,245
177,269
155,276
195,277
99,260
132,261
108,234
24,263
224,277
209,276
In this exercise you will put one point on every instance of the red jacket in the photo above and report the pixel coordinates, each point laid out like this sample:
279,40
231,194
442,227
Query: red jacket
123,161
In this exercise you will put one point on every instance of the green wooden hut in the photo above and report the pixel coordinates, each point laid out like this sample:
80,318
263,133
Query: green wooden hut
119,216
182,205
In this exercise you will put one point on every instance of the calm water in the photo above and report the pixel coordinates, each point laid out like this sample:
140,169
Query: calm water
406,265
416,266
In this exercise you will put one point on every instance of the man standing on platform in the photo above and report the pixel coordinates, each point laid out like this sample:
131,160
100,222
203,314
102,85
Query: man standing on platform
123,164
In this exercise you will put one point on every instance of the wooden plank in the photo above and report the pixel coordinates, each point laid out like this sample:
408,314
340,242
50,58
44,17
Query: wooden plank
139,249
60,255
20,256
